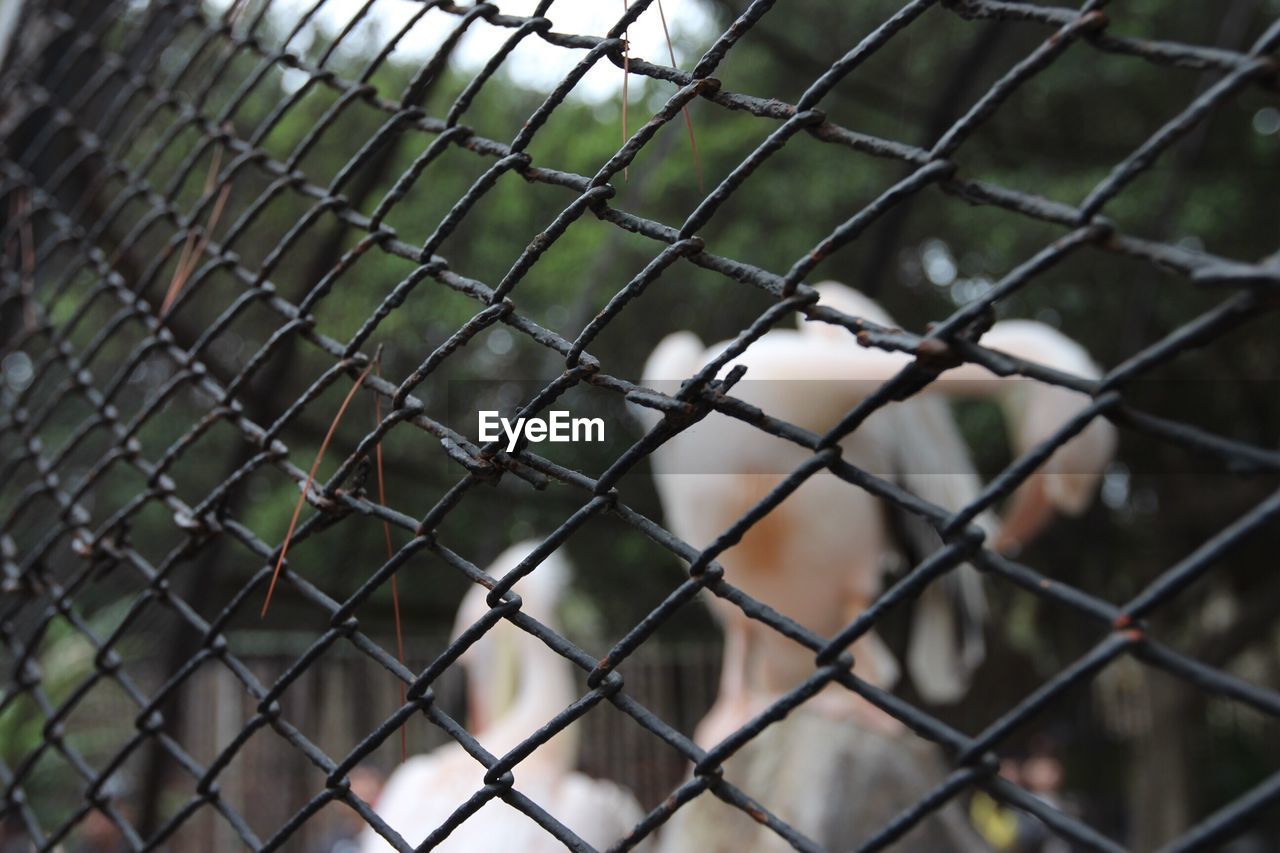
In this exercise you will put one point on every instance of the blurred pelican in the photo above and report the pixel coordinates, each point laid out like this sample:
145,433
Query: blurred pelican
516,684
820,555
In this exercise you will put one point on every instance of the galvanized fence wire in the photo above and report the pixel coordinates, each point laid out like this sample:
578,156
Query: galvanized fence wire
137,86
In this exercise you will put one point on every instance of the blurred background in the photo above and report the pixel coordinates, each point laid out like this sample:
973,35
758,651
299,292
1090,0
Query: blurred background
1141,755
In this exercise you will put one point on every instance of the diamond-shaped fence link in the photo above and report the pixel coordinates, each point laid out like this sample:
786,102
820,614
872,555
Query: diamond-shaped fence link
179,177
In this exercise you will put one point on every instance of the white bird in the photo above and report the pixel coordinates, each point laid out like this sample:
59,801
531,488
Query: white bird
1034,410
819,556
516,684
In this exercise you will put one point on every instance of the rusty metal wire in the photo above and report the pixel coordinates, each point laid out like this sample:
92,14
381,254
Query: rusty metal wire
137,80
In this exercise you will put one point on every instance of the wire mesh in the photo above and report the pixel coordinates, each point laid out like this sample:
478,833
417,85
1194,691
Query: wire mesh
111,110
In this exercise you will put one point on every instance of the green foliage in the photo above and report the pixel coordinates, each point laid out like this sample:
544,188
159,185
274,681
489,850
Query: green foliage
63,660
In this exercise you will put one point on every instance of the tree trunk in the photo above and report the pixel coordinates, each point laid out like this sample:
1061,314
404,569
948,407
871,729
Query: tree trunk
1158,769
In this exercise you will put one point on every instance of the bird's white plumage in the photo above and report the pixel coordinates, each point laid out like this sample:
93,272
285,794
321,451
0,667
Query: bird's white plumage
516,685
819,556
1034,411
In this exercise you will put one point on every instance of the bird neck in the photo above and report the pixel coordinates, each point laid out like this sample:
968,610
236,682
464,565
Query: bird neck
543,688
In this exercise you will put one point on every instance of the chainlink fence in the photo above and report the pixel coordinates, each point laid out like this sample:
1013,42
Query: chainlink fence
143,177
